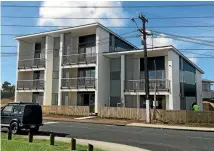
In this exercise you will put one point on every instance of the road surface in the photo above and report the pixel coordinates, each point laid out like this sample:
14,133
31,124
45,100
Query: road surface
148,138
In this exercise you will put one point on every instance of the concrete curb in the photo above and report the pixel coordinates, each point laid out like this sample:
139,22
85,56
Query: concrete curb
97,144
181,128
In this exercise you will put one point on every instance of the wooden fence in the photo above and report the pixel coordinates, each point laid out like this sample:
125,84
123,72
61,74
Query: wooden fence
166,116
66,110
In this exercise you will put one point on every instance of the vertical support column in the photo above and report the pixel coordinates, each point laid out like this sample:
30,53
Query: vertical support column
17,72
169,100
102,75
122,78
60,69
48,70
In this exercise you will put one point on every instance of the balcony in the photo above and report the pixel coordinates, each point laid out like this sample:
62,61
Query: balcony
139,85
77,83
75,59
208,94
31,63
37,84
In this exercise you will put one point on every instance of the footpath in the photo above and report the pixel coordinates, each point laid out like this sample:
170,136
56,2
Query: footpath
118,122
97,144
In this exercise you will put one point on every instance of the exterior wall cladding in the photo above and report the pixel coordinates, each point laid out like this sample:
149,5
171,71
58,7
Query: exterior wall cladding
92,66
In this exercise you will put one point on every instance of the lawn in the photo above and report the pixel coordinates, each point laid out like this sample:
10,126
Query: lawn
19,143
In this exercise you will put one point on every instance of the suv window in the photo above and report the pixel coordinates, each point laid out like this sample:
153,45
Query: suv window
7,109
18,110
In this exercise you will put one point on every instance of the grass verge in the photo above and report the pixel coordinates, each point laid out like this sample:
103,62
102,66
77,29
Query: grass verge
19,143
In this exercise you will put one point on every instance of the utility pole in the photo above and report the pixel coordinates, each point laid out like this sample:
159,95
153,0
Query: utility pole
154,104
146,75
143,41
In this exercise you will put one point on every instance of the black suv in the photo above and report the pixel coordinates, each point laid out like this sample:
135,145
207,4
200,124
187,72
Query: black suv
20,115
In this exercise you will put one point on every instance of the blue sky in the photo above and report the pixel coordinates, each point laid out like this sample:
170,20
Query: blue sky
8,64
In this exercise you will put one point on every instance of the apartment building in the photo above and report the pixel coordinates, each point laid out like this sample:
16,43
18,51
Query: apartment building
207,91
90,65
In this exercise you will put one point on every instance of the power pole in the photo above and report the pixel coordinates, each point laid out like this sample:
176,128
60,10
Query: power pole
146,75
154,104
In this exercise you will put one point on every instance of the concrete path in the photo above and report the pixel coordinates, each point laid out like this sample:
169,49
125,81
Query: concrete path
97,144
206,129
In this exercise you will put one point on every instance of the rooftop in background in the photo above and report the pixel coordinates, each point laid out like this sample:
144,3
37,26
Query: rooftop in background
208,81
155,49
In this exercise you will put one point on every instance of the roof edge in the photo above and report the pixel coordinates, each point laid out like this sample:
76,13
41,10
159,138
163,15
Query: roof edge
187,59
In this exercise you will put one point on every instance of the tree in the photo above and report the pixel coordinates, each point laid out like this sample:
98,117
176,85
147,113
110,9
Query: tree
6,86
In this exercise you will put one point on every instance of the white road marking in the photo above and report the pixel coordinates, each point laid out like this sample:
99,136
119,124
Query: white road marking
50,123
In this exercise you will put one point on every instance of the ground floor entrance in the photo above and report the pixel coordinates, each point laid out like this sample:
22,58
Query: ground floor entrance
37,97
86,99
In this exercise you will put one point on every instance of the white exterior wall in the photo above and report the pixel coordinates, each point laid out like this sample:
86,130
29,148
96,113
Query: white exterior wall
73,98
173,100
199,90
122,78
60,69
102,73
49,70
17,72
24,96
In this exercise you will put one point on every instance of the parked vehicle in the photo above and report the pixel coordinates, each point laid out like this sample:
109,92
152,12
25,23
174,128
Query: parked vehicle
20,115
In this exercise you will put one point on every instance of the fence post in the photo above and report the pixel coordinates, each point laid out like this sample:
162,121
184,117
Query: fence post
73,144
90,147
30,137
52,139
9,134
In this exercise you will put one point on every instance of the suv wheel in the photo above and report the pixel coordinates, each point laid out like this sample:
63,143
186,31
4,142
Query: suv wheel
14,127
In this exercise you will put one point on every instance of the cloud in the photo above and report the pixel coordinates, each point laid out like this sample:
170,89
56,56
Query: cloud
194,60
80,12
160,40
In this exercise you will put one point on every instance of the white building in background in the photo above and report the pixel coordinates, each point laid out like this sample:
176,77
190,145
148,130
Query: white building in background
207,92
90,65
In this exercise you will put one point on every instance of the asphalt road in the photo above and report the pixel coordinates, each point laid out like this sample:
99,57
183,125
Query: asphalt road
148,138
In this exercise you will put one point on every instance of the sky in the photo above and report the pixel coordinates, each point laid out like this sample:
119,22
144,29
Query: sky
8,64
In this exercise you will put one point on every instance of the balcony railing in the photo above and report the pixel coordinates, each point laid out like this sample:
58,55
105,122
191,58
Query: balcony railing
31,63
139,85
37,84
83,58
80,82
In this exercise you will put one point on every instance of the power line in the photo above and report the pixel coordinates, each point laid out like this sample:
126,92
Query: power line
190,36
198,53
170,26
161,18
133,6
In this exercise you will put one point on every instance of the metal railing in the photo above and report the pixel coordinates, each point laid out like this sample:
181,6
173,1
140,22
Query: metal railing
80,82
82,58
31,63
139,85
37,84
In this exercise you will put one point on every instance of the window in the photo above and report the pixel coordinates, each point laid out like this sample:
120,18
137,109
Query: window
18,110
55,74
89,72
38,47
8,109
160,74
36,75
115,75
54,98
